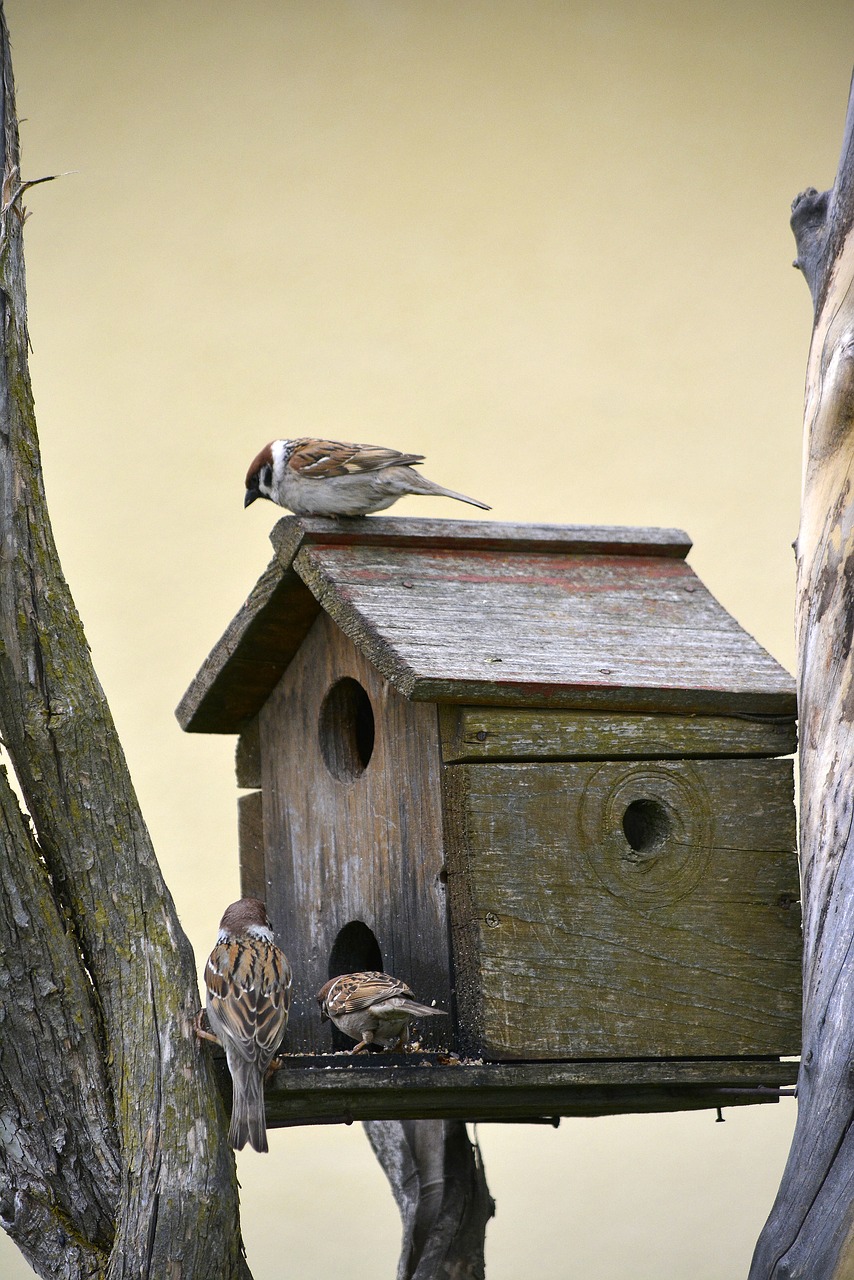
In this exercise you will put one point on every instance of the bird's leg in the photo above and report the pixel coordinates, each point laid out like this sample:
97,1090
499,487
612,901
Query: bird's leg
402,1045
201,1033
367,1038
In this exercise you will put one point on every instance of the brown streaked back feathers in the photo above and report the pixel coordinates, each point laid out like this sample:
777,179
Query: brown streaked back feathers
249,992
321,459
352,992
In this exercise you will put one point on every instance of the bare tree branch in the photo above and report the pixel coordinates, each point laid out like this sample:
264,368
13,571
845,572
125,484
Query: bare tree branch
809,1232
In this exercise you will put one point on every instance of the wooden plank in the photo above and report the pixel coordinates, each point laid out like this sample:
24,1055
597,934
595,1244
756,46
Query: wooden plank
570,942
545,630
338,1089
249,658
626,698
507,733
487,535
362,848
247,756
250,839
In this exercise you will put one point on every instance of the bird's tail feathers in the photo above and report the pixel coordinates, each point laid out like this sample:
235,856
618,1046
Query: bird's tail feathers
430,487
247,1110
422,1010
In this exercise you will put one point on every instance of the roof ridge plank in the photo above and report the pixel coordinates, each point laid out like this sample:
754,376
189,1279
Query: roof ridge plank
291,532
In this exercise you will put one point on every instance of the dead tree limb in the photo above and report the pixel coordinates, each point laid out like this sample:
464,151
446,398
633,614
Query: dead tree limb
438,1181
113,1155
810,1231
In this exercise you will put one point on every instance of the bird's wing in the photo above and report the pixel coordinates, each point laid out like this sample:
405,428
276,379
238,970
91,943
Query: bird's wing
356,991
322,459
249,994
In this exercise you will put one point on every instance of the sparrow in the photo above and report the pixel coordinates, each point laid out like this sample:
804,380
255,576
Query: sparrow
327,478
373,1008
248,982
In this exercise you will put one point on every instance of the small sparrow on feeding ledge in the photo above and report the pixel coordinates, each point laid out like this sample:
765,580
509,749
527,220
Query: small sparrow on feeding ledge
327,478
248,980
373,1008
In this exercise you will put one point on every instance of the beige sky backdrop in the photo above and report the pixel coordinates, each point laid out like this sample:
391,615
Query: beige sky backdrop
545,244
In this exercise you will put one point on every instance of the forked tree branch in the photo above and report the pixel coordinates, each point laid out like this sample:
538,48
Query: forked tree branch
113,1155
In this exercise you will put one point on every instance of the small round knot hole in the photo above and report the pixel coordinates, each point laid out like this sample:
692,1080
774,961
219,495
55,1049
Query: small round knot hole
346,730
646,825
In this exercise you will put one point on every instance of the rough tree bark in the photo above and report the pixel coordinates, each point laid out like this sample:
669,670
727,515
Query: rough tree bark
809,1232
438,1181
113,1155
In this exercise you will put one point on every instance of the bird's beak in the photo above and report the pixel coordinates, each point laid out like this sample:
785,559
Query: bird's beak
324,1016
251,495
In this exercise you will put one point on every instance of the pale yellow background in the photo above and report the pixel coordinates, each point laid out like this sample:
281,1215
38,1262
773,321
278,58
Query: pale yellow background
545,244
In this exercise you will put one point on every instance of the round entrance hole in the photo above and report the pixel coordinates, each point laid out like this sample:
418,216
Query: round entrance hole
646,825
354,949
346,730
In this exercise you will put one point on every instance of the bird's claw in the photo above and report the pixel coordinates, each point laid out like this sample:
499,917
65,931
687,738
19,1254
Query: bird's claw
201,1032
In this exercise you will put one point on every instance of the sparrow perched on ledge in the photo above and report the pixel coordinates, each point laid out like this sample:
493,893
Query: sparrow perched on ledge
248,980
373,1008
327,478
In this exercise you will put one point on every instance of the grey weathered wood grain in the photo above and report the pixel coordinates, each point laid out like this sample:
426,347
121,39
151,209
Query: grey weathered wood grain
253,652
250,840
567,943
367,850
488,535
544,630
247,756
248,660
339,1088
810,1232
506,733
524,616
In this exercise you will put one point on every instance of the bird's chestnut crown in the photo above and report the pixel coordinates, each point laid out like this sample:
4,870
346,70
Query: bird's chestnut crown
259,477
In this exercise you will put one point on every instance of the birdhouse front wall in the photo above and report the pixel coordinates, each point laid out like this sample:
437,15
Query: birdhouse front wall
631,908
352,830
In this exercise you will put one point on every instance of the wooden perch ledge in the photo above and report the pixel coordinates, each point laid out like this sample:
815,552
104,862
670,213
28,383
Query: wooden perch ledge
341,1089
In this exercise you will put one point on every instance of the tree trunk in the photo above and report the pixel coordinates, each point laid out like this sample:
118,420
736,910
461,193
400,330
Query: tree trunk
113,1154
438,1181
809,1232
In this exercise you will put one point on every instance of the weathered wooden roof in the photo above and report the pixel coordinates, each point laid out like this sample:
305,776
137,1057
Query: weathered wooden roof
501,614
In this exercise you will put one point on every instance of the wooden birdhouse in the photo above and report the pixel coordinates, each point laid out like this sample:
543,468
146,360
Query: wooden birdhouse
538,773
